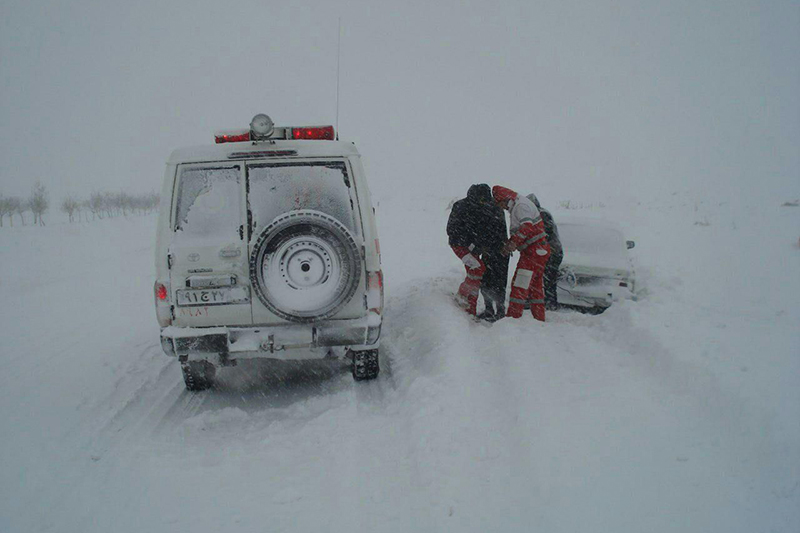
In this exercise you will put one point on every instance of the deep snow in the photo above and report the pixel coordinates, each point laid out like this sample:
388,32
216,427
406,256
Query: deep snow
677,412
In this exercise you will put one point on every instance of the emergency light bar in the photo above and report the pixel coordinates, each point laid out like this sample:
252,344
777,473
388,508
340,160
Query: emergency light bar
322,133
232,136
262,129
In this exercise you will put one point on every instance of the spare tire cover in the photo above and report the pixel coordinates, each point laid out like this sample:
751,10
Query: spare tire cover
305,266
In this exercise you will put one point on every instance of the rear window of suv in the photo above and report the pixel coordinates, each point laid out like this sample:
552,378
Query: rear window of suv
277,188
208,201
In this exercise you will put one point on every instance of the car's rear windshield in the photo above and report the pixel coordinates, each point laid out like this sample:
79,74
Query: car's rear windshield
208,201
277,188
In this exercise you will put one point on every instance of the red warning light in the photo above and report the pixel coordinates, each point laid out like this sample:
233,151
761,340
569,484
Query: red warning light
232,137
319,133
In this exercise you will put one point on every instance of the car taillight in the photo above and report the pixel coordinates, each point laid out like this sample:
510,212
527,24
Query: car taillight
161,292
163,307
375,291
375,280
321,133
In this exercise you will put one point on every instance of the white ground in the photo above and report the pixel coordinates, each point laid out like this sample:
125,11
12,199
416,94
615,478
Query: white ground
679,412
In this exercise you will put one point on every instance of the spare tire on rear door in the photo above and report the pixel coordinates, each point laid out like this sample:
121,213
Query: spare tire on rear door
305,266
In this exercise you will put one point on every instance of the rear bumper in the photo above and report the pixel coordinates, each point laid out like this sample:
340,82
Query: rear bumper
581,299
285,342
600,295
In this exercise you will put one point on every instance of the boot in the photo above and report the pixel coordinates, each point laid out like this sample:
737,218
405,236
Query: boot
488,312
494,311
500,313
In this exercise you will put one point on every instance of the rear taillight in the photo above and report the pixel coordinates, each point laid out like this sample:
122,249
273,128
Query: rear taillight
162,294
163,307
375,291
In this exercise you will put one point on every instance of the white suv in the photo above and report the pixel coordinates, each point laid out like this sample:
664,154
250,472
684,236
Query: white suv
267,247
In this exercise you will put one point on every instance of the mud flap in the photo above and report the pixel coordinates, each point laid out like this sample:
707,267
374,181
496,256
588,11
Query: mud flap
365,364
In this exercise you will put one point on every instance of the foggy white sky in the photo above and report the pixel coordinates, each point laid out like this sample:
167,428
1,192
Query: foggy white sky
570,99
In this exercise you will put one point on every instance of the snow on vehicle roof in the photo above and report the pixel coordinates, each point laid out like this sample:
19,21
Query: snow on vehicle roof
228,151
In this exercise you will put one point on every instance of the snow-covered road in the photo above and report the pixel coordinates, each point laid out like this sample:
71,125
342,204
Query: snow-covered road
678,412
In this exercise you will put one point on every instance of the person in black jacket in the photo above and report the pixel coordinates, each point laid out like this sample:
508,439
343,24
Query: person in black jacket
476,232
556,256
495,280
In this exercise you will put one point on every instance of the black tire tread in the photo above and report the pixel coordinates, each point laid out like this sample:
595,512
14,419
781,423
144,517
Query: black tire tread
366,365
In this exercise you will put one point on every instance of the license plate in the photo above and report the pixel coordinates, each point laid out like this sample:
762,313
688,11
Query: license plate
220,296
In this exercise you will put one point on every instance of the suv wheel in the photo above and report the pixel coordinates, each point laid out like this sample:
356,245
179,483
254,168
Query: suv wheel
366,364
305,266
198,375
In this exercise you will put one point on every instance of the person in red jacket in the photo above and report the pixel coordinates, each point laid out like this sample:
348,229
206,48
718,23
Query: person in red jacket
528,236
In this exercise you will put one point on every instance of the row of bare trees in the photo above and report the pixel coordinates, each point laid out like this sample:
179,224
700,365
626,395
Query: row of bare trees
37,203
98,205
107,205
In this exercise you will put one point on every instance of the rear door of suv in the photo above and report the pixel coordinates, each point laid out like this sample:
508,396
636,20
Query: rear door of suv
275,188
208,251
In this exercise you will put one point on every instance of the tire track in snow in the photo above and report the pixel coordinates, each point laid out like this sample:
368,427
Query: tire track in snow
446,410
383,451
135,416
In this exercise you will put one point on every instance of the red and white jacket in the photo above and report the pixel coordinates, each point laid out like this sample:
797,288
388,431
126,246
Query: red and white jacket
527,227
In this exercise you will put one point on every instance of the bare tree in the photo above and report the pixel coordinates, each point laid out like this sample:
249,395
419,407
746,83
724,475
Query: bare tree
152,200
39,203
144,203
69,205
136,204
5,209
96,204
86,209
19,207
112,203
123,202
108,204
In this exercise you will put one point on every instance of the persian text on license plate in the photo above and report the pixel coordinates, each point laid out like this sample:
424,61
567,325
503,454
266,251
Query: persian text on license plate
223,295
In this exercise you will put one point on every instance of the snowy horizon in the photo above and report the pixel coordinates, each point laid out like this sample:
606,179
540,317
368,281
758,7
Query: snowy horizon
597,97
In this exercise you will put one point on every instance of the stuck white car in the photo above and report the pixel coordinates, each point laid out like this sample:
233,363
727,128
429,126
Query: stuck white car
597,269
267,247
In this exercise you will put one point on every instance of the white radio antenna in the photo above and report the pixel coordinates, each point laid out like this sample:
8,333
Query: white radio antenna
338,60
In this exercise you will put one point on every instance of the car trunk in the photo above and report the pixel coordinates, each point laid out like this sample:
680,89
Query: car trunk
594,250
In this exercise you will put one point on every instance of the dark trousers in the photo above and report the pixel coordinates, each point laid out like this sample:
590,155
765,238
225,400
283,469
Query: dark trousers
495,280
551,279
